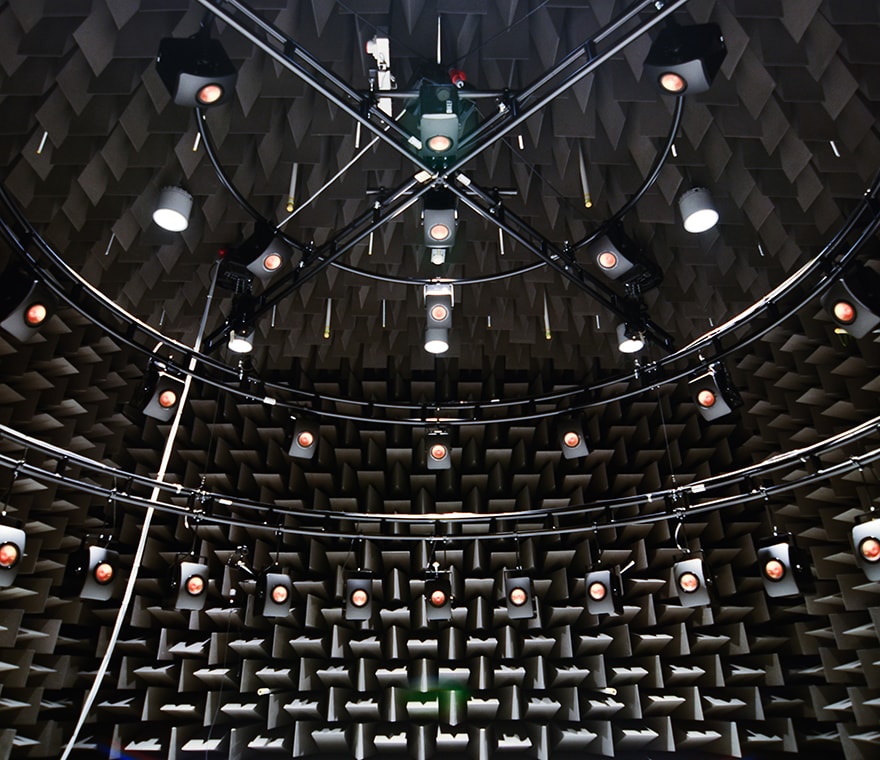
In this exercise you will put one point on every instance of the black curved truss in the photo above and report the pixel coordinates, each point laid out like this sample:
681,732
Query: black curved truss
712,494
785,300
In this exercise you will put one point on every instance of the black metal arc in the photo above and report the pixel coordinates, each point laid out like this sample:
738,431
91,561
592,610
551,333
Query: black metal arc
659,163
484,141
210,150
560,260
427,280
711,343
481,143
496,214
585,513
287,55
324,257
774,464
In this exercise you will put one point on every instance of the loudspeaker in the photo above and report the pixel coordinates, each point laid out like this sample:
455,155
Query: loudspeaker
93,571
25,316
685,59
854,302
519,595
604,592
11,553
572,438
713,392
359,596
196,71
274,590
189,585
784,568
163,392
439,219
866,540
438,453
692,582
304,443
439,123
264,253
439,228
439,310
609,252
438,597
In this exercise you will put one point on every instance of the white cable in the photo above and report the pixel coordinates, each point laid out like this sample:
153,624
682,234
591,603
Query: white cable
357,157
343,170
145,530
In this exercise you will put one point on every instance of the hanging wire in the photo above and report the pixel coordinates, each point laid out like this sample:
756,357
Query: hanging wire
279,535
858,463
599,548
666,437
211,442
770,518
226,650
679,529
114,507
351,552
8,493
196,519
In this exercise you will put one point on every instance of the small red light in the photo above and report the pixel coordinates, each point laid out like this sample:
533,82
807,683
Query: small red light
438,597
439,143
209,94
688,582
571,439
438,232
103,573
9,555
844,312
305,439
438,451
869,548
272,261
598,591
672,82
607,260
706,398
167,399
36,314
774,570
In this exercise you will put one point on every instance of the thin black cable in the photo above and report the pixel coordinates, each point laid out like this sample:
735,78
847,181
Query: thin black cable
871,507
421,281
225,649
747,475
491,521
665,435
16,470
211,441
710,340
500,33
